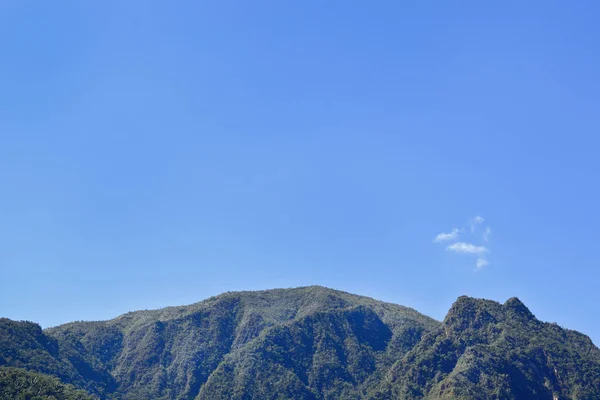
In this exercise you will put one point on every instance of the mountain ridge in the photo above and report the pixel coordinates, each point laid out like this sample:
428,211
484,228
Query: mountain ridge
311,343
238,293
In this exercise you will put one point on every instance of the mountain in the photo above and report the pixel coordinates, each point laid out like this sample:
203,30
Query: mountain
311,343
487,350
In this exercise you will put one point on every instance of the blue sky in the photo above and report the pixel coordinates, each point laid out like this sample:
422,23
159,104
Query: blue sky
157,153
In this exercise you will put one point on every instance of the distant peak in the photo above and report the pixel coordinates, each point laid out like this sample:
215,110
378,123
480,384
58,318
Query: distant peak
471,302
471,313
517,307
514,302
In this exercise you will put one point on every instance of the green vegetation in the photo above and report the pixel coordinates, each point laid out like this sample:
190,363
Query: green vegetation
485,350
19,384
311,343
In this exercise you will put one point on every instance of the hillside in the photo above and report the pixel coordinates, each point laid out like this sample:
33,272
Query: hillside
484,349
312,343
19,384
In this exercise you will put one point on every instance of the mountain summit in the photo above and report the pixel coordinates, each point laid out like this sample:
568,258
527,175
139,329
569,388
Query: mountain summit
307,343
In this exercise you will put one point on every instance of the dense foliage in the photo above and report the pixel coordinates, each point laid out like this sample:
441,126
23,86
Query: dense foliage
312,343
485,350
19,384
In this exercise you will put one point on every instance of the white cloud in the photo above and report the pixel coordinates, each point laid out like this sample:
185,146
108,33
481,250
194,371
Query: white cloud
443,237
475,238
481,262
478,219
466,248
487,233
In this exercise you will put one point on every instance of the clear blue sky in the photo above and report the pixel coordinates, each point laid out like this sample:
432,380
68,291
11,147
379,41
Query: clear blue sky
157,153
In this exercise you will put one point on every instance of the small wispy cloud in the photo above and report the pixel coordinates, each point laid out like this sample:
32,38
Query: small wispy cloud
481,262
487,233
477,220
472,243
444,237
466,248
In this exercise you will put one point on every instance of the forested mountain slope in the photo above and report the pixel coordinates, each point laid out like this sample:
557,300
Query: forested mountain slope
312,343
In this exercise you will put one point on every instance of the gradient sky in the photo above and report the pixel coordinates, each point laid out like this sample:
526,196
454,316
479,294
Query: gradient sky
157,153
